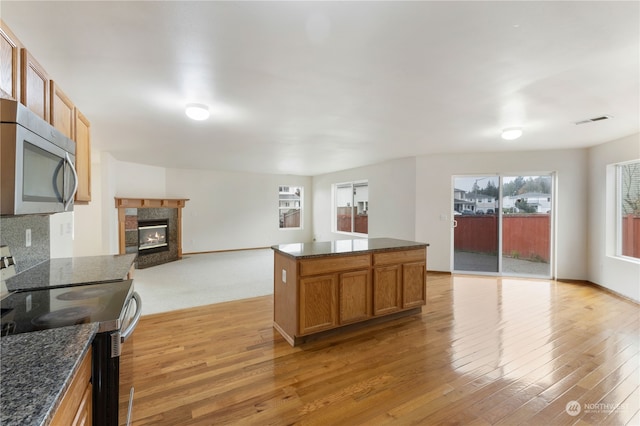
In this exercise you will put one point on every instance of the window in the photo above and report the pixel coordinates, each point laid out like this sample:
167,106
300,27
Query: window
352,207
290,207
629,209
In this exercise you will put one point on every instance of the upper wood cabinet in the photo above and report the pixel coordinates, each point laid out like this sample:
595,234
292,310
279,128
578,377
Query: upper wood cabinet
83,157
65,117
23,79
9,64
34,85
62,114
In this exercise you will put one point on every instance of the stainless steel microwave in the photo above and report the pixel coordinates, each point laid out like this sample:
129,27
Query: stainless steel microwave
37,172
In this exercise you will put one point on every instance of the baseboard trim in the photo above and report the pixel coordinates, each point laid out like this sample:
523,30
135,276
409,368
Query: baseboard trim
430,272
224,251
613,293
599,287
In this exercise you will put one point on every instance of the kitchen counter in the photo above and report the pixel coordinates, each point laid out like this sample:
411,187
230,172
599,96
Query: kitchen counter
37,369
342,247
73,271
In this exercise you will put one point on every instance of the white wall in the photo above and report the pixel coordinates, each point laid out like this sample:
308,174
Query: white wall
226,210
434,200
139,180
89,223
617,274
391,200
96,223
229,211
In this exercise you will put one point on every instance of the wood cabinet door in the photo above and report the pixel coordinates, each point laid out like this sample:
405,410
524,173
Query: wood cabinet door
318,303
34,86
386,289
9,64
84,414
83,157
414,289
355,296
62,111
76,404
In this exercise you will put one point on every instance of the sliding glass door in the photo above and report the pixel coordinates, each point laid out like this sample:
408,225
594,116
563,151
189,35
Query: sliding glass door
502,224
526,225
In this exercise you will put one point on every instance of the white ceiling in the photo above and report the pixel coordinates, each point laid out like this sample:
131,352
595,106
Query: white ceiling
308,88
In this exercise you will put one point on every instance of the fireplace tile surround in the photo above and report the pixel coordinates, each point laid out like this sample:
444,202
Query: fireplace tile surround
133,210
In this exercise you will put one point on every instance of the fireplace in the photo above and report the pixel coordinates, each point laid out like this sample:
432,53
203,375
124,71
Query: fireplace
153,236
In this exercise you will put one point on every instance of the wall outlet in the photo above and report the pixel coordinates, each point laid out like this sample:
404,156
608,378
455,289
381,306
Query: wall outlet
27,237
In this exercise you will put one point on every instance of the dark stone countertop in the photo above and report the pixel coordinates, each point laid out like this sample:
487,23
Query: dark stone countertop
73,271
342,247
37,369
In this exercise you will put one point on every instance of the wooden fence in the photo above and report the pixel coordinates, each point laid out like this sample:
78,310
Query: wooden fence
631,236
291,219
360,221
524,236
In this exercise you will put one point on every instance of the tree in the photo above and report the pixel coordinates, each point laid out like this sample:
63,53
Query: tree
491,190
519,185
513,187
630,188
525,207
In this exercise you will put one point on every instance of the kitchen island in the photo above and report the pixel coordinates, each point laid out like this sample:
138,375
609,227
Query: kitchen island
323,286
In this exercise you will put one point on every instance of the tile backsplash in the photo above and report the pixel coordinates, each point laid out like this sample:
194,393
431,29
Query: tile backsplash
13,234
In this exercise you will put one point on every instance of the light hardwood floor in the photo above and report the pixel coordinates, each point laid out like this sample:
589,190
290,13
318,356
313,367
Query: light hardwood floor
483,351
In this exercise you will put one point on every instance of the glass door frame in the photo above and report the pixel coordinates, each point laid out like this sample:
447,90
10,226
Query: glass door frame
552,225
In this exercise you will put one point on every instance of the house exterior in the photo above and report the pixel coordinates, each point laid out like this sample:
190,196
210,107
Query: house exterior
466,202
541,202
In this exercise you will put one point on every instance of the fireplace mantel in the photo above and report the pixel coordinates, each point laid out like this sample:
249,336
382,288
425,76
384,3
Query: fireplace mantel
141,203
122,204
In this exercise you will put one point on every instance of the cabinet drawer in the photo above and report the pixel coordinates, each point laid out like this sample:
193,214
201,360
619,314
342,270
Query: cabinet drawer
333,264
400,256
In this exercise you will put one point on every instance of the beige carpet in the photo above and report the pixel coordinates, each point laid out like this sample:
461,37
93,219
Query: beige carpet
203,279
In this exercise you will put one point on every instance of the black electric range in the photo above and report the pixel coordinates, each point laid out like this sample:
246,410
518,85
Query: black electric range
115,306
43,309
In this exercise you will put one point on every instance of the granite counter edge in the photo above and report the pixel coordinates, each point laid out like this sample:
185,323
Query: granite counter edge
349,253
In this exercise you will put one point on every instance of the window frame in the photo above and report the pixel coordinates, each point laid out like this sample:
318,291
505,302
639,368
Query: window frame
300,208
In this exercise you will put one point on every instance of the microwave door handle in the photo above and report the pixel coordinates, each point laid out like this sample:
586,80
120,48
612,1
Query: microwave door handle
69,200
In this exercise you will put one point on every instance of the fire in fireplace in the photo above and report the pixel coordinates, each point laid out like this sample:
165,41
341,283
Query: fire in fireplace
153,236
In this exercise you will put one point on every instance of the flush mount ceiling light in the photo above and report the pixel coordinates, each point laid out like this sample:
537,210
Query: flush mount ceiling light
197,111
511,133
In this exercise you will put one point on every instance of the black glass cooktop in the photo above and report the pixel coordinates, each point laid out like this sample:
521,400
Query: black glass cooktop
43,309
